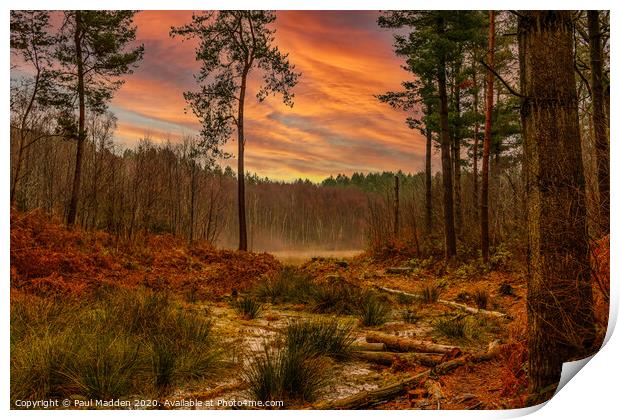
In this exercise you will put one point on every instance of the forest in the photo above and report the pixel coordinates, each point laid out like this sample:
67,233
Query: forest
160,275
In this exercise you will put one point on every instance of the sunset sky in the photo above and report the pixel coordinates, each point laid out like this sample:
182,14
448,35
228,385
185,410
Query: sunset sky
336,125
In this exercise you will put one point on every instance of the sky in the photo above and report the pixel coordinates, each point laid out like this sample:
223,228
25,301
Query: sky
336,124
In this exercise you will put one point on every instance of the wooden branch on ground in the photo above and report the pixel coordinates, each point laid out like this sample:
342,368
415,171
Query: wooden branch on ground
370,347
450,303
385,358
378,396
406,345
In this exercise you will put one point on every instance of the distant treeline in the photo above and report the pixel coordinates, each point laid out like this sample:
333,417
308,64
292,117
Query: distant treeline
167,188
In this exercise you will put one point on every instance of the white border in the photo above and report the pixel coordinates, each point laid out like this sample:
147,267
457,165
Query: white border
591,395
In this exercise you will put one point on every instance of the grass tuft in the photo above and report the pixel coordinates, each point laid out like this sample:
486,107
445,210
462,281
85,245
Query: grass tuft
286,374
373,312
325,337
119,344
452,327
248,307
429,292
290,285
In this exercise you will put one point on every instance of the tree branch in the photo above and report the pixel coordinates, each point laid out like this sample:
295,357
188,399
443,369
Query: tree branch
505,83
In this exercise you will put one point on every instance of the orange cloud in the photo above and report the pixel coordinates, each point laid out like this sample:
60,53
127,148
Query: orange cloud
336,124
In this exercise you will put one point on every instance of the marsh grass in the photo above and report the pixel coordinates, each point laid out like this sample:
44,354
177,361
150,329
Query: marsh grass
286,375
290,286
373,311
452,327
248,307
469,328
323,337
429,292
119,344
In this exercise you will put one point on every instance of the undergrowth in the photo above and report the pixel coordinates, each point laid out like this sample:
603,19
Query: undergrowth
120,344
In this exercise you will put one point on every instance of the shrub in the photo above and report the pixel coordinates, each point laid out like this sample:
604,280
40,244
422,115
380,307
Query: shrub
248,307
326,337
117,345
337,297
452,327
37,366
500,258
287,375
373,312
183,349
289,286
104,367
429,292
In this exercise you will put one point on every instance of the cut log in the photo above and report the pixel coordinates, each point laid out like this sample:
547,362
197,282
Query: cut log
450,303
384,394
389,358
405,345
362,346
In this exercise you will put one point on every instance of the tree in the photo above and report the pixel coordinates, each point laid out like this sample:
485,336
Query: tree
436,42
486,148
232,45
409,99
601,140
559,289
94,50
31,38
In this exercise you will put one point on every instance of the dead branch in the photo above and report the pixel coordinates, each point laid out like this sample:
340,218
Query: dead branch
386,358
367,399
408,345
450,303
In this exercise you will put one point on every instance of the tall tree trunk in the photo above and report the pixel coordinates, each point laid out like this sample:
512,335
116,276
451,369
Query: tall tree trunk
428,176
396,205
476,141
243,233
598,115
484,199
77,177
559,288
192,201
456,152
446,161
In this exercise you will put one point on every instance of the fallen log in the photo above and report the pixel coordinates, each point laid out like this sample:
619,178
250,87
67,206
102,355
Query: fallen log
450,303
406,345
362,346
388,358
471,310
378,396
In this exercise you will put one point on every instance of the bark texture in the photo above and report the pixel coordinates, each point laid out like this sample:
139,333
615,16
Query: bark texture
601,140
559,289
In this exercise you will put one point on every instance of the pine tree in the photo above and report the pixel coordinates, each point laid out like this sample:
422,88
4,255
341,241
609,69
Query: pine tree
94,50
233,44
560,318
